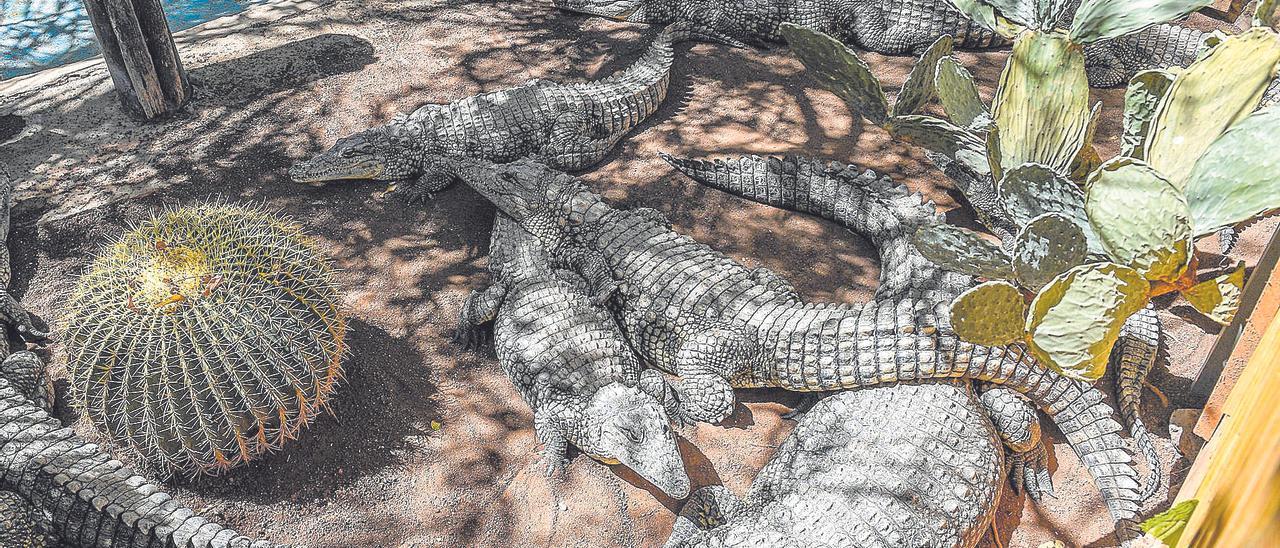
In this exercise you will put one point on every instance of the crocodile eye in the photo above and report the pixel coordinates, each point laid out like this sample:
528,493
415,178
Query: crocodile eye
634,436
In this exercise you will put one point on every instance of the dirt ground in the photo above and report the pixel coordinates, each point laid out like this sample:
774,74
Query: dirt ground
428,445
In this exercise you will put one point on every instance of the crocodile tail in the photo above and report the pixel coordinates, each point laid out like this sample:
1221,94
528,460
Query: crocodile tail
867,203
870,204
94,500
1082,414
1133,356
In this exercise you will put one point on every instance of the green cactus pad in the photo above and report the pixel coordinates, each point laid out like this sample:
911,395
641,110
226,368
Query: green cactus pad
1264,14
1141,219
205,336
1167,526
962,250
1103,19
990,314
1220,89
1218,298
934,134
958,93
1239,175
1042,102
1075,320
839,70
984,14
1031,190
1145,91
918,88
1049,245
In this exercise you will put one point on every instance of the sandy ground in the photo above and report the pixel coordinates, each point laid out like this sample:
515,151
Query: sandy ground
378,472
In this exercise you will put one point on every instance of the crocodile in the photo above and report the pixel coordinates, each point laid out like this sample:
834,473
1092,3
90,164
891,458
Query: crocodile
1139,341
846,476
566,356
700,315
75,492
883,26
896,27
570,126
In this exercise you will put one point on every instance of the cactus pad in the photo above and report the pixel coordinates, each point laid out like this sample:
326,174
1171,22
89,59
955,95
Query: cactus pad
1144,93
1218,298
990,314
1035,126
1049,245
918,88
1215,92
958,93
962,250
1239,175
1142,220
839,70
205,337
1076,319
1031,190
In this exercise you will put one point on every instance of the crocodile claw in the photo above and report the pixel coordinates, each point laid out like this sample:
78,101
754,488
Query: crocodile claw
472,337
14,315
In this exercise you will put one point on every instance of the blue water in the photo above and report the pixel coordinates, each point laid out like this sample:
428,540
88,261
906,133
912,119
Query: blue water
38,34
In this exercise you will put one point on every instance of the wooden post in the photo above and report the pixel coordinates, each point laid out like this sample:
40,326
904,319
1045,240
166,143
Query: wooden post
140,55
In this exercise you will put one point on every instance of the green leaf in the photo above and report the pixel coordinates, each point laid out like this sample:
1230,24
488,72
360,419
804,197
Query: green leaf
1264,14
1218,298
985,15
1076,319
837,69
1211,95
1042,102
990,314
1167,526
1032,190
958,93
918,88
934,134
1049,245
1102,19
1022,12
962,250
1145,90
1142,220
1238,177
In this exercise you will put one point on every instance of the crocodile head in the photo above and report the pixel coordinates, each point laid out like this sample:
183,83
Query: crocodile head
382,153
627,426
636,11
542,199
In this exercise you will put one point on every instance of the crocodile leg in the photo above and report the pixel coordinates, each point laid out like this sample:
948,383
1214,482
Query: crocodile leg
1019,427
478,311
576,142
555,446
706,360
707,508
420,189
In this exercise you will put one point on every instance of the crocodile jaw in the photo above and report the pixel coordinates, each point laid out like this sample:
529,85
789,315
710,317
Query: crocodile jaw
323,168
618,10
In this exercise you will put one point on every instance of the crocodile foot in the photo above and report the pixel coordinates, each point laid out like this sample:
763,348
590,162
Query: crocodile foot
13,314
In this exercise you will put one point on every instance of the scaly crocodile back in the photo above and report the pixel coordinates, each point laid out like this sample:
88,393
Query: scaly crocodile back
908,465
92,499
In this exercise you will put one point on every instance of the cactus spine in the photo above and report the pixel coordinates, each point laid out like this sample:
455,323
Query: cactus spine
205,336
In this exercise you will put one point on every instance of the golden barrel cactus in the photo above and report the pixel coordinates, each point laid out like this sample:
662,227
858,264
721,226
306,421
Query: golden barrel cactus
205,336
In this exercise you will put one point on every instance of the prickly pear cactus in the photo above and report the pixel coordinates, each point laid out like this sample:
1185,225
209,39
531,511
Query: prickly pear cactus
205,336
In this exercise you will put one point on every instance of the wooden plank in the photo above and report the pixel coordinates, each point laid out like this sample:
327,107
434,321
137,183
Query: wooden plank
1236,478
1260,301
140,55
168,66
